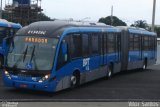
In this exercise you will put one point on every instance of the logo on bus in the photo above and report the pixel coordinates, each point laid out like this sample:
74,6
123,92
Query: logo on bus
37,32
28,66
86,63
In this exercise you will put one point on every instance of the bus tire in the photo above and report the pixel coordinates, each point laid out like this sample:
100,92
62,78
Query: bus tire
109,71
145,64
75,79
1,61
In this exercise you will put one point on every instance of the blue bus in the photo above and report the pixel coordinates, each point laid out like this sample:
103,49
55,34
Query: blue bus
55,55
7,30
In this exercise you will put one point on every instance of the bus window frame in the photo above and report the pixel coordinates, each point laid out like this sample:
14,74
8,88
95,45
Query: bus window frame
113,43
98,43
145,48
69,35
87,54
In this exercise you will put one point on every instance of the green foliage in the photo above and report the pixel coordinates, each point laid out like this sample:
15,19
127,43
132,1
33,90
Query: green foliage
140,24
143,24
114,21
43,17
157,30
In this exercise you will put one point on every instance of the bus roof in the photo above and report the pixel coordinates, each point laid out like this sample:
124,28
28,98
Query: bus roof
141,31
137,30
53,27
5,23
15,25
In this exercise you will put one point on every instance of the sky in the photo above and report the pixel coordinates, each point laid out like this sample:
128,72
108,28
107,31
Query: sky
91,10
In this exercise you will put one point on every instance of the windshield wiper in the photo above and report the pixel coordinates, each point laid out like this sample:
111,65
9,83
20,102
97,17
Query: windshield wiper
25,52
32,54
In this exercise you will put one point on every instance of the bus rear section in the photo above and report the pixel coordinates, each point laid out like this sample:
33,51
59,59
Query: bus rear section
139,48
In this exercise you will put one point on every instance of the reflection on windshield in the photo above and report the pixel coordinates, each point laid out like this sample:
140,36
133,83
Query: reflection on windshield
31,54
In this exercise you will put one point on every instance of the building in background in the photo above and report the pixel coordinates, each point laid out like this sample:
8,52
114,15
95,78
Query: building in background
23,11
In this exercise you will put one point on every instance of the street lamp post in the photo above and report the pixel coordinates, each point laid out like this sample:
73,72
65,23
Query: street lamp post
153,15
111,15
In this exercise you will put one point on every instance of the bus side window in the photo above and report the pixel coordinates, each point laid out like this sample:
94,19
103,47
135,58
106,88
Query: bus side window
131,42
75,46
146,43
152,47
94,44
111,43
105,43
116,42
136,42
85,45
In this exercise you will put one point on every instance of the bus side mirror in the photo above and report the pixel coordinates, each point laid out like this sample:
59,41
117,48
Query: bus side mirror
64,51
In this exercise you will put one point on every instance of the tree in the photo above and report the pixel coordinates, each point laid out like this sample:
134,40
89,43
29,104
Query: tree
114,21
43,17
141,24
157,30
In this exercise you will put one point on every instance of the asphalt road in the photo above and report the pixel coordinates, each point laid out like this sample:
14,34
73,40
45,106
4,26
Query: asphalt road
134,85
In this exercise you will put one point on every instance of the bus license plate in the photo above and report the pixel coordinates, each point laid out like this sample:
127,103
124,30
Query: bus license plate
23,86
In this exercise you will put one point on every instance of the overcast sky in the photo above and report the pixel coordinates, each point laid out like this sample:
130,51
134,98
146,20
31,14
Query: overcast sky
127,10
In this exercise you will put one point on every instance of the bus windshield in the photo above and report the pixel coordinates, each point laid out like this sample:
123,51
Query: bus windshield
32,53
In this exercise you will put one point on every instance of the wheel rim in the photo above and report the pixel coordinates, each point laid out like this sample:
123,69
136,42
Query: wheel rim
73,80
144,66
109,72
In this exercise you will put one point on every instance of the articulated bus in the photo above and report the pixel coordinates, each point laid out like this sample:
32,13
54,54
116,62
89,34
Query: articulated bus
55,55
7,30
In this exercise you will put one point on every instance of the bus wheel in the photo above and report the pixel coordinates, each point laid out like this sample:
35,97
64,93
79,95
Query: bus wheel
75,79
1,61
109,71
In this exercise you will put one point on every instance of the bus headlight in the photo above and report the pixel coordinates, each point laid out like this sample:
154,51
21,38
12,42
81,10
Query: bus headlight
46,77
7,74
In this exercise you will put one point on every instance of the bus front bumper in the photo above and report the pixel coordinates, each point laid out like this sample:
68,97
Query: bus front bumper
44,86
